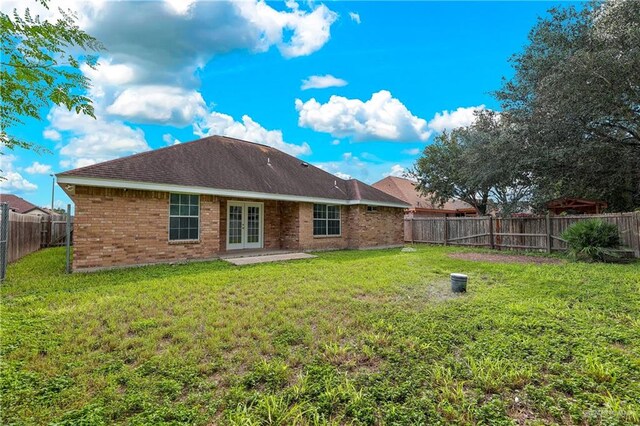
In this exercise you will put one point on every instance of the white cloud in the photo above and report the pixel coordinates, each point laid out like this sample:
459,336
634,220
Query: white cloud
309,30
322,82
13,181
51,135
108,77
180,7
382,117
413,151
335,142
216,123
448,120
349,165
159,104
355,17
361,166
38,169
169,139
396,170
94,140
148,72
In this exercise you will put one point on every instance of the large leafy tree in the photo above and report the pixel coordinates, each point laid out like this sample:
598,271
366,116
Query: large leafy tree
479,164
575,103
40,66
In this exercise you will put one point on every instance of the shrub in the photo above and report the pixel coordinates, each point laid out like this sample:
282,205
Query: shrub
592,240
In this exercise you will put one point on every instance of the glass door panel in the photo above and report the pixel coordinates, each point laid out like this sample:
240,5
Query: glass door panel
244,225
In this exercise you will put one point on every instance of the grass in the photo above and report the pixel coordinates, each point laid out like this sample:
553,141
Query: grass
352,337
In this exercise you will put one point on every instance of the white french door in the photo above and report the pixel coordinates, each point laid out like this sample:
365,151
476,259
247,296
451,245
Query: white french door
244,225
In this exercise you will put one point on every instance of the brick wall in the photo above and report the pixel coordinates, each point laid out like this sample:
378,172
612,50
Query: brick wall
117,227
289,225
309,242
380,228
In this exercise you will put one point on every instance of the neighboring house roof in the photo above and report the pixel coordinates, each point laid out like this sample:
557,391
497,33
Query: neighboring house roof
225,166
405,190
17,204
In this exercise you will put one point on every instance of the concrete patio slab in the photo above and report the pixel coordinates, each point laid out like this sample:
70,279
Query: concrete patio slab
250,260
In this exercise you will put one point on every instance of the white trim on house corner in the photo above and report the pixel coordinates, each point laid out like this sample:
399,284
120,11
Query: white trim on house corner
165,187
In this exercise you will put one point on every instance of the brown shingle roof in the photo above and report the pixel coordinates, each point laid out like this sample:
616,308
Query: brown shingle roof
405,190
17,204
221,162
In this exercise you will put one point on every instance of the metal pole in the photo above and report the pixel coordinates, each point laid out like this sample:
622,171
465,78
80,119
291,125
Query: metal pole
53,189
4,239
68,239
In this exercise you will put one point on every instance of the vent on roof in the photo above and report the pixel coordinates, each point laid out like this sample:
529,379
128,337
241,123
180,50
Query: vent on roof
268,161
304,164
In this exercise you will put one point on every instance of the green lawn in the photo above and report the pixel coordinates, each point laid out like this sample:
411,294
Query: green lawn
352,337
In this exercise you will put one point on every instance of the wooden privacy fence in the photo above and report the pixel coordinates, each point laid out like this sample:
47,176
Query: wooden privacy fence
28,233
527,233
24,235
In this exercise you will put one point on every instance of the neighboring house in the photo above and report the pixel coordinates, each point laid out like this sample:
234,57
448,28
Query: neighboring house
421,206
22,206
196,200
576,206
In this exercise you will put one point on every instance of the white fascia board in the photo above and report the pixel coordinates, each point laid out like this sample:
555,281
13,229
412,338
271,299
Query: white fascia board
164,187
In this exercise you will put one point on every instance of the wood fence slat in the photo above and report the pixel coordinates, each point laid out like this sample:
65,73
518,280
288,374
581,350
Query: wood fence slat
28,233
516,232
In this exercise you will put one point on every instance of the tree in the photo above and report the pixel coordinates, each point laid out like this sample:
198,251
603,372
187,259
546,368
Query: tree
40,68
479,164
575,102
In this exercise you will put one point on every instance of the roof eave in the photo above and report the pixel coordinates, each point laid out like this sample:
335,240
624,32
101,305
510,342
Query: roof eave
149,186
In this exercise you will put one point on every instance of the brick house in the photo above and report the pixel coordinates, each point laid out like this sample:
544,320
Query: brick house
198,200
421,206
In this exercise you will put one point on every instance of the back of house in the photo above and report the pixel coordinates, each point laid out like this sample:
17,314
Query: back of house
197,200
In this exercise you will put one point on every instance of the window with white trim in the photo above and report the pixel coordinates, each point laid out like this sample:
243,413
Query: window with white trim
326,220
184,217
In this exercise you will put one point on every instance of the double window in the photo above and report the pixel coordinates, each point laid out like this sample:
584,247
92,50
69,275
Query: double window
326,220
184,217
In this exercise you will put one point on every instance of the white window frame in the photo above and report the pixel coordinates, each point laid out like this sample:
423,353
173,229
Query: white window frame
181,240
326,219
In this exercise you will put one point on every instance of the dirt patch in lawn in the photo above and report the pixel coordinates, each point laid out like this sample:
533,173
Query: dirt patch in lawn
503,258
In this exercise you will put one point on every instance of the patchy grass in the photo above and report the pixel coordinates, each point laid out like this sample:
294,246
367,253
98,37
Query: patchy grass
352,337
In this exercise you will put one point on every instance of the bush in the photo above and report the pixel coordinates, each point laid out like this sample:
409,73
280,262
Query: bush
593,240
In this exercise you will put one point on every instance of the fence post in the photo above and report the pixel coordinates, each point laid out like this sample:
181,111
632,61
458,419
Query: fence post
549,239
4,239
412,230
68,239
491,244
636,215
446,230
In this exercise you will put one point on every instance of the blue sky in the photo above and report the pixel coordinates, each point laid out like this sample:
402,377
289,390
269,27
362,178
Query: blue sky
385,78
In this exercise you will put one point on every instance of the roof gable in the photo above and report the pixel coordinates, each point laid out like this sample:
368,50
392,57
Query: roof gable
405,190
17,204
